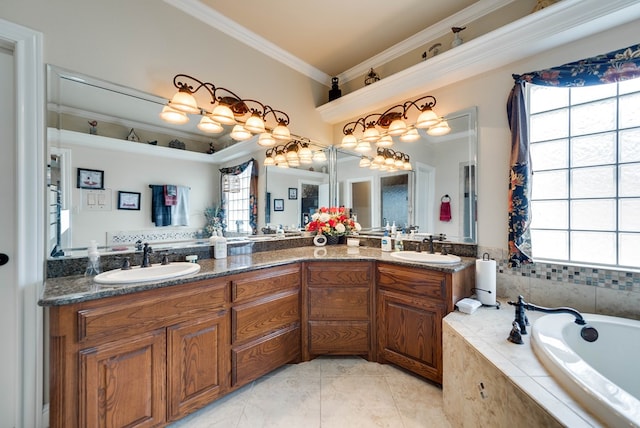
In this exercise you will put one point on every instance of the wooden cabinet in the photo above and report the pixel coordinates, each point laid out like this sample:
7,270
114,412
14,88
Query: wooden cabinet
411,303
265,322
139,360
338,304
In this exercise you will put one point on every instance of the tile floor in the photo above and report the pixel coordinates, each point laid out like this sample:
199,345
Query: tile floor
328,392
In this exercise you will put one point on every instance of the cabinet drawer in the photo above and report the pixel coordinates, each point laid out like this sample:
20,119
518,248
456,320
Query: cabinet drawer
339,337
133,314
327,274
264,282
255,319
339,303
421,282
254,359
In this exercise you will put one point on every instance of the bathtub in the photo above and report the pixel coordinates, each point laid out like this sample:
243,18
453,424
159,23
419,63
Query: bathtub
603,375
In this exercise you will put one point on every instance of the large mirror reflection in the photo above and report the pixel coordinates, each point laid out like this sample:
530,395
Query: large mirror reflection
115,134
439,195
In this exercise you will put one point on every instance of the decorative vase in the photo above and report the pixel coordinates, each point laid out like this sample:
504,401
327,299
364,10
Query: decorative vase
333,240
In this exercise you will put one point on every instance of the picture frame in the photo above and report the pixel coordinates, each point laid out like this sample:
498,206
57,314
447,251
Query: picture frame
278,204
90,179
128,200
293,193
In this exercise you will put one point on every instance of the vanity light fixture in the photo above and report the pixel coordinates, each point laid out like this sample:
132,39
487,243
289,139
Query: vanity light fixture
293,153
379,128
229,109
387,160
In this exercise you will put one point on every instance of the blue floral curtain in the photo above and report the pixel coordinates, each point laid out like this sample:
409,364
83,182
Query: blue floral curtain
623,64
253,189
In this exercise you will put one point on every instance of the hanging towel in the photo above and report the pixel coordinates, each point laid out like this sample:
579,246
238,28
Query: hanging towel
180,211
160,213
445,208
170,195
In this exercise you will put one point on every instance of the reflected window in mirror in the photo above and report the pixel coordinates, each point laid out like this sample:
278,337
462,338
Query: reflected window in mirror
394,197
239,198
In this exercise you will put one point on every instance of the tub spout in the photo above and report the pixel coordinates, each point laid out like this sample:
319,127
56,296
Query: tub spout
561,310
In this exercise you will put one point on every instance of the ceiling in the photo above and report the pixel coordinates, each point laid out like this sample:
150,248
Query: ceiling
335,35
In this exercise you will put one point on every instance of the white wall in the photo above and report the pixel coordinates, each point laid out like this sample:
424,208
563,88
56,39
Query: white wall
126,172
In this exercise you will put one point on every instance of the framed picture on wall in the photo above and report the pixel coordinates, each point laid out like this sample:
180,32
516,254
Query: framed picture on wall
278,204
128,200
293,193
90,179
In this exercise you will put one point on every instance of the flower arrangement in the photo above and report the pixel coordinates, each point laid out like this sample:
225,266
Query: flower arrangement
332,222
214,220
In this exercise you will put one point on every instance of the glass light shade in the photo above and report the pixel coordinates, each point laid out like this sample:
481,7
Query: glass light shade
293,162
281,132
371,134
280,158
305,152
184,102
374,166
397,127
239,133
410,136
441,128
349,141
363,146
399,163
389,161
209,125
379,159
407,166
283,164
385,141
174,116
305,159
254,124
266,140
292,155
269,161
427,118
364,162
319,156
223,114
383,167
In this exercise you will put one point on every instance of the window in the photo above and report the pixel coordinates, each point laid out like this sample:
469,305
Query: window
236,189
585,154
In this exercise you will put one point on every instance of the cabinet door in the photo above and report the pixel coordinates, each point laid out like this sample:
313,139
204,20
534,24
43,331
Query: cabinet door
410,333
123,382
197,363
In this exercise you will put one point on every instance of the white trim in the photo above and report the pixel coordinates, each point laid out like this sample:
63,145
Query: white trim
434,32
564,22
30,163
220,22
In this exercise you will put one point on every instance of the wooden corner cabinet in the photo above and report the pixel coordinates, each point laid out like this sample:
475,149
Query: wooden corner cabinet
339,310
411,304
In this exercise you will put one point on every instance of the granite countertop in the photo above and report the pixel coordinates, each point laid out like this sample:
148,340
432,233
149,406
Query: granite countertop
74,289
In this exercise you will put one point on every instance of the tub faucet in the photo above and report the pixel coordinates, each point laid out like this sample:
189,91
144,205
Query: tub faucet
145,255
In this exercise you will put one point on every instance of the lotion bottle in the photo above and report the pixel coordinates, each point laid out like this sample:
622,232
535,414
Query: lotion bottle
220,247
385,242
93,265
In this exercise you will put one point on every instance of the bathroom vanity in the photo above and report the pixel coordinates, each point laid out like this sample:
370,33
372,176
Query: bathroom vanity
148,354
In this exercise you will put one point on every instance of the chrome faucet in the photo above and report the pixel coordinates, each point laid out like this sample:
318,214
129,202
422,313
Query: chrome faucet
145,255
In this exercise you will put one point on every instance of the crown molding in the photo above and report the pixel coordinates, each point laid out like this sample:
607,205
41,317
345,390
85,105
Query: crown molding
220,22
561,23
442,28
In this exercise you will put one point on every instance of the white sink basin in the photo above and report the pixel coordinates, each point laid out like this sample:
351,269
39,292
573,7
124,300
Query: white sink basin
152,273
414,256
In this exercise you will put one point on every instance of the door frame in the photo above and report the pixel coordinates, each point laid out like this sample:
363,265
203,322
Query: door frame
30,223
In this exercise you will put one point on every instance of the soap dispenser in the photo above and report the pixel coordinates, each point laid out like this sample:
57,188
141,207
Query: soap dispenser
385,242
220,246
93,264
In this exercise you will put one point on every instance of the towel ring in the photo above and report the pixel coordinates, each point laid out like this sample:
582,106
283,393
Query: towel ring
445,198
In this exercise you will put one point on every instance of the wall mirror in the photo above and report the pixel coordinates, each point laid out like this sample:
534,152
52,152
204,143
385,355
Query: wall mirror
99,126
444,177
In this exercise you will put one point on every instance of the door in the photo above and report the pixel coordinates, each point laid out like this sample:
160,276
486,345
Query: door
21,220
9,301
